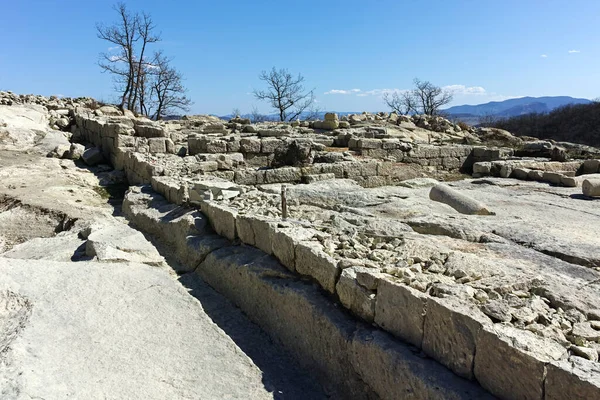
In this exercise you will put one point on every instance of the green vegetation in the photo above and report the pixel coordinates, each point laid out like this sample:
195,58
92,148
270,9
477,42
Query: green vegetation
579,123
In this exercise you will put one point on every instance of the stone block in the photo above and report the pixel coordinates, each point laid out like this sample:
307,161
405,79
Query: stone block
269,145
124,141
257,160
390,144
450,333
482,168
92,156
369,144
576,378
535,175
250,145
281,175
222,218
245,177
284,242
400,310
336,169
233,146
317,177
591,166
326,125
451,163
157,145
355,297
216,146
511,363
552,177
373,181
311,260
520,173
263,228
374,153
368,168
569,181
243,225
395,371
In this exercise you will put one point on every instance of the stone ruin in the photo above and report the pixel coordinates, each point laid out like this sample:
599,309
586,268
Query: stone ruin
470,272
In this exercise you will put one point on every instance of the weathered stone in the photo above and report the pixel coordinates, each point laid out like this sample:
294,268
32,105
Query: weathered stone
284,242
575,378
222,218
92,156
457,200
157,145
511,363
591,187
353,296
450,334
401,310
497,311
311,260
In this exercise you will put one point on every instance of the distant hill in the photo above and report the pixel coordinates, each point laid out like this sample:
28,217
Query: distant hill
576,123
512,107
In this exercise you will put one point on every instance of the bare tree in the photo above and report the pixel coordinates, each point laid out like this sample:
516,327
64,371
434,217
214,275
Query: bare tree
402,103
167,88
130,36
147,85
313,113
256,116
285,93
488,120
235,112
425,98
123,36
145,28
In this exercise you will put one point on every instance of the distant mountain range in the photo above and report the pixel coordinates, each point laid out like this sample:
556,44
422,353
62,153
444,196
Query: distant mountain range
472,114
510,108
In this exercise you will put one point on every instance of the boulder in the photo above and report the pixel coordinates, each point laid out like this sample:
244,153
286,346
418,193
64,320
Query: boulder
92,156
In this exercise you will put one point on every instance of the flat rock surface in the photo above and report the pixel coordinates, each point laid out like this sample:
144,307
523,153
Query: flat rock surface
89,308
105,330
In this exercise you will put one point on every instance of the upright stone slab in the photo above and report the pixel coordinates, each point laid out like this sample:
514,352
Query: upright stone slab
222,218
311,260
400,310
511,363
450,333
355,297
284,242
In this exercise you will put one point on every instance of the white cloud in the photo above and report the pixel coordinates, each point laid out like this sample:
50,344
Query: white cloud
115,58
379,92
342,91
462,89
544,56
113,48
574,51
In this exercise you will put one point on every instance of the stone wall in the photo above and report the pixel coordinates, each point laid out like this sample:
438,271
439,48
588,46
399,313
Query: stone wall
361,361
447,157
509,362
569,173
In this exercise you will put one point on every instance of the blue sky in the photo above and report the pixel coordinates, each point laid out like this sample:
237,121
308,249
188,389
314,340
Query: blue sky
349,51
